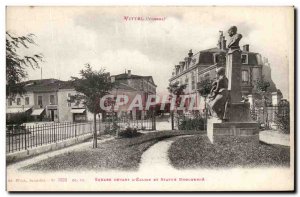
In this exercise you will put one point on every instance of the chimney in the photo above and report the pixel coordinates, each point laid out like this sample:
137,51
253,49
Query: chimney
221,41
246,47
129,73
190,53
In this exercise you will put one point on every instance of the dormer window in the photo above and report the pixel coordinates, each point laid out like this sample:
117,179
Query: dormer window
244,58
216,56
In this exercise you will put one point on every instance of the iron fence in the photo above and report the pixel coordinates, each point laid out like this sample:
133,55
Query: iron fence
146,123
270,116
28,136
190,121
24,137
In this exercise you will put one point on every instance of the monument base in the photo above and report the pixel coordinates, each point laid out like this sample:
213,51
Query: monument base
239,112
220,132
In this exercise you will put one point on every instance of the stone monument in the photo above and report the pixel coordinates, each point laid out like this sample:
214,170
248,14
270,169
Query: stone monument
230,119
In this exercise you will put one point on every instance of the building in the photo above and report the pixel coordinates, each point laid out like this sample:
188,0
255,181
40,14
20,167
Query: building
133,85
202,65
49,99
40,100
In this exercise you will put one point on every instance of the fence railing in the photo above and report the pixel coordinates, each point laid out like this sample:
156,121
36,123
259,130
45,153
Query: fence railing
148,123
24,137
269,116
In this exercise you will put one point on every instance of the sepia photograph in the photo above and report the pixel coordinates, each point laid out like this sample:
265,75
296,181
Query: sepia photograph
150,98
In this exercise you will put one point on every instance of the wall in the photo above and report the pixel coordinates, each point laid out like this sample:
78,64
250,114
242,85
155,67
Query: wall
45,98
14,103
63,108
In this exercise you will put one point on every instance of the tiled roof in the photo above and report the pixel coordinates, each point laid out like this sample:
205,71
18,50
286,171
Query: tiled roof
43,85
126,76
217,50
214,50
131,76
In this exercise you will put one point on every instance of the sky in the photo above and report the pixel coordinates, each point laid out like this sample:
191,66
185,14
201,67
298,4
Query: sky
70,37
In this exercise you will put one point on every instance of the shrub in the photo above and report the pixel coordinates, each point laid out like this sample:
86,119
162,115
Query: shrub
196,123
18,119
283,122
111,129
129,132
16,130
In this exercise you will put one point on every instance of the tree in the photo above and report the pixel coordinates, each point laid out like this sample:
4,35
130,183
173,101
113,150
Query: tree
16,63
92,86
262,87
282,116
177,90
204,88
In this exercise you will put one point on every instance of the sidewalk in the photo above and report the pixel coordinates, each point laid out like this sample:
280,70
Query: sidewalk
41,157
274,137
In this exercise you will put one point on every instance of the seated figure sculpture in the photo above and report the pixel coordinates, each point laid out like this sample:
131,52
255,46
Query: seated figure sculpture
219,95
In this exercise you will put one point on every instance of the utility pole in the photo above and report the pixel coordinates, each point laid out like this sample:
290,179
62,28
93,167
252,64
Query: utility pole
41,72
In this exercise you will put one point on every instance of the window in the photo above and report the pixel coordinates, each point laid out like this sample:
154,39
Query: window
217,59
52,102
10,101
26,100
187,81
40,101
18,101
220,59
245,76
69,102
193,81
244,59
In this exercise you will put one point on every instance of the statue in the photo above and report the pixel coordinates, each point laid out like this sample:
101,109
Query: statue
233,44
219,95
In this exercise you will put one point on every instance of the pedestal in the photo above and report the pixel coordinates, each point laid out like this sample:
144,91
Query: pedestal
219,132
239,128
234,75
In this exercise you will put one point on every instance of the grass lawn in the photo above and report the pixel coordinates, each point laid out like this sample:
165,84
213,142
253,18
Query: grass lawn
123,154
197,151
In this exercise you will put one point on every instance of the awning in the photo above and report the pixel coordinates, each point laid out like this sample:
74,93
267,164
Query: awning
37,112
77,111
17,110
49,107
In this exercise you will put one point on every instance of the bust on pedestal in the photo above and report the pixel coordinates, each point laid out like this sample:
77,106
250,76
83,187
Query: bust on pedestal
230,118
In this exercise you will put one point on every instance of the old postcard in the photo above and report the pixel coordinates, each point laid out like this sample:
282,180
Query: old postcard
150,98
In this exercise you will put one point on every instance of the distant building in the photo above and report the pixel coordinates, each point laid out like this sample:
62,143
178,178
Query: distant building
40,99
49,99
202,65
132,85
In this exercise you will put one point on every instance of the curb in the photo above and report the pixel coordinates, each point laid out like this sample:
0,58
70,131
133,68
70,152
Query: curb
20,155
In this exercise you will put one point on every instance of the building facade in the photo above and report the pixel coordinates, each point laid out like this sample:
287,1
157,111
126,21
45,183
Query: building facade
49,99
133,86
202,65
40,100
